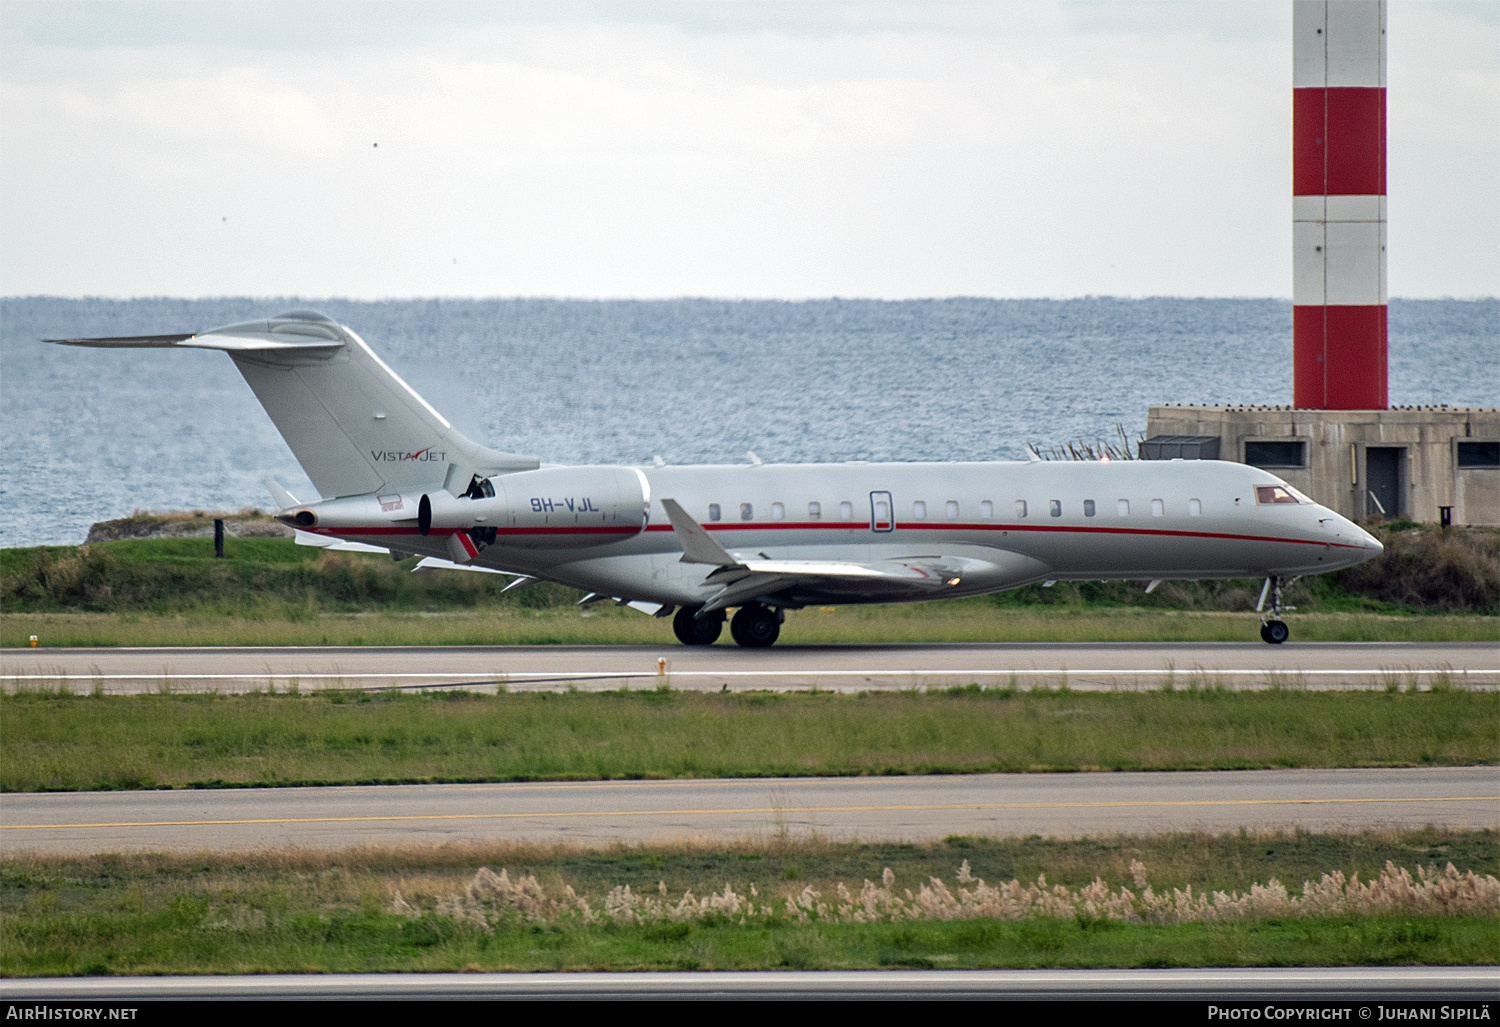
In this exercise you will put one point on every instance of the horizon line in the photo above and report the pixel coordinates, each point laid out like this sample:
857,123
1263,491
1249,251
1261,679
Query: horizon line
685,298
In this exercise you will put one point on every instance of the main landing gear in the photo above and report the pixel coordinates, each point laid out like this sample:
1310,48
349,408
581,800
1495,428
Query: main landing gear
694,630
1272,628
754,627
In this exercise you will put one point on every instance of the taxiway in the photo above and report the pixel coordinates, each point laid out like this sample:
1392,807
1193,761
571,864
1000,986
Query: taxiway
1316,665
597,813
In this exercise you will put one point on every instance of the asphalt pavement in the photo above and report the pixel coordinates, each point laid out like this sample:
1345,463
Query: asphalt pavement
846,667
867,808
1367,993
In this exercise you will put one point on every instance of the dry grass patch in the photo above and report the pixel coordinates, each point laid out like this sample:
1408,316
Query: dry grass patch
446,907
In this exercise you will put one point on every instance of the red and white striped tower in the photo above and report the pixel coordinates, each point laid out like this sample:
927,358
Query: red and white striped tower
1338,204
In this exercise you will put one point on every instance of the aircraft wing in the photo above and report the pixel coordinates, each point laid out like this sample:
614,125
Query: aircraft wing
753,578
307,538
437,563
742,579
427,563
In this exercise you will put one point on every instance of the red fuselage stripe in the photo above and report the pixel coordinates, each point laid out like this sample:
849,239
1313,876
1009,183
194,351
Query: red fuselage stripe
450,531
863,526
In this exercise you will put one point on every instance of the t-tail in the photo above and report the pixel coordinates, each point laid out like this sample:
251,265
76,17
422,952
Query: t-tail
353,424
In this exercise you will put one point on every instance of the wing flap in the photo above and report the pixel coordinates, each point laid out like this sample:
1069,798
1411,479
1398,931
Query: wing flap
763,578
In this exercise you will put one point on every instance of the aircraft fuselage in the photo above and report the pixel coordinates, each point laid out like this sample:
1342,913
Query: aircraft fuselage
993,525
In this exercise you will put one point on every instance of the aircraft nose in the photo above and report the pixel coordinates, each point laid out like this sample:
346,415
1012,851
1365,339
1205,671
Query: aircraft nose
1346,532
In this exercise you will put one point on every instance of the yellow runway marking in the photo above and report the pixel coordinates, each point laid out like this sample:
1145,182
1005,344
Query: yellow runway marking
764,809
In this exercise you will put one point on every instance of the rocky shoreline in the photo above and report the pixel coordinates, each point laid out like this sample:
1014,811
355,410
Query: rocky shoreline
187,524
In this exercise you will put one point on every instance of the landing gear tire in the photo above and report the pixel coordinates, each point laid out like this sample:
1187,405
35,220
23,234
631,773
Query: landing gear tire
1273,629
755,627
691,630
1275,632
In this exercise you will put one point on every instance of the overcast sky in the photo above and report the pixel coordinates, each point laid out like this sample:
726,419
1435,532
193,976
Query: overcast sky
761,149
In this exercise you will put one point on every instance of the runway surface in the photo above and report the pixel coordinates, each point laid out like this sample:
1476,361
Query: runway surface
1314,665
1364,988
879,808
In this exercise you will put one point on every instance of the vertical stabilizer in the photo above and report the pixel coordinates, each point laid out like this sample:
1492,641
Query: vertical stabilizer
352,423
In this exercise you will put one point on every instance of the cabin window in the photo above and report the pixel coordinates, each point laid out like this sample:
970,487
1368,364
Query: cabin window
919,510
1195,508
747,512
1054,507
846,511
952,509
1273,494
778,512
1158,508
1122,507
814,511
1020,508
986,510
1088,508
713,512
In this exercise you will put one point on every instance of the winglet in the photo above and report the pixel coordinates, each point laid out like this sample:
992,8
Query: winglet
279,493
697,545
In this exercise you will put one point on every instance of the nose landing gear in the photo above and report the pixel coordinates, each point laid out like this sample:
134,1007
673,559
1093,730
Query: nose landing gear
1272,628
1275,631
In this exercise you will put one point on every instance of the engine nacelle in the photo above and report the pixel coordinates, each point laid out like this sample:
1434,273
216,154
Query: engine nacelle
551,507
383,511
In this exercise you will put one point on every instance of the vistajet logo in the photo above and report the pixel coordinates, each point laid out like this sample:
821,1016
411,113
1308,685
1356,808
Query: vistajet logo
392,456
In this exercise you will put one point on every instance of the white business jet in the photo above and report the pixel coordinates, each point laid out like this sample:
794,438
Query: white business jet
393,475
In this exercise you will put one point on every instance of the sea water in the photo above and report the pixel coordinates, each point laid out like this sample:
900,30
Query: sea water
92,434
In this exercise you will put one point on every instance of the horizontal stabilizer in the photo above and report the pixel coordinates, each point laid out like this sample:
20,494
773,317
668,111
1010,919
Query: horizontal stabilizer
211,340
125,341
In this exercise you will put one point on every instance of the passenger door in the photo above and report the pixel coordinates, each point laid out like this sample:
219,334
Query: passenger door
882,512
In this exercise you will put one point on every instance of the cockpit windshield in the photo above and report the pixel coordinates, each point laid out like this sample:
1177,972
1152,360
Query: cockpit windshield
1273,494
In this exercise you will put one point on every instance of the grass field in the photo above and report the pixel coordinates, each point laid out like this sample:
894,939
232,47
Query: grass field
1430,586
315,911
962,621
70,742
